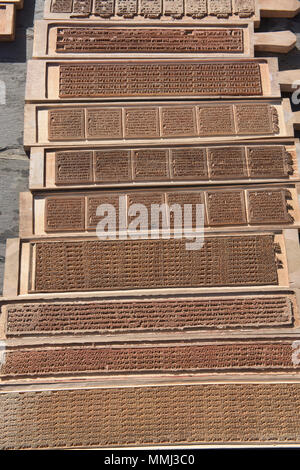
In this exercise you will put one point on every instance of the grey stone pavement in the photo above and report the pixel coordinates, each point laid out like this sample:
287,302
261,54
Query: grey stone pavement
14,164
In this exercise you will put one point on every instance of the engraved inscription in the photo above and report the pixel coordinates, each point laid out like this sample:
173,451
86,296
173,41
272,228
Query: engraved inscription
147,199
251,356
127,8
151,8
174,8
269,207
214,413
137,264
66,124
256,119
269,161
104,123
92,205
220,8
189,164
227,163
156,9
61,6
141,122
196,8
224,163
112,166
117,40
216,120
64,214
121,316
82,7
152,165
179,121
153,79
104,8
244,8
182,199
226,208
73,167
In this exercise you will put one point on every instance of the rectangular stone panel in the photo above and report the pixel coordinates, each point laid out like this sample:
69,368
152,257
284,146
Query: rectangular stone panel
104,8
220,8
141,122
92,39
187,202
244,8
93,202
196,8
62,6
269,161
64,214
174,8
216,120
104,123
151,165
151,8
227,163
189,163
226,208
256,119
137,264
149,315
73,167
112,166
147,200
163,415
127,8
66,124
269,206
257,356
179,121
120,80
82,7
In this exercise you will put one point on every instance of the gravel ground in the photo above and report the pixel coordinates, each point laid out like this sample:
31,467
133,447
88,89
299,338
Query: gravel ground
13,161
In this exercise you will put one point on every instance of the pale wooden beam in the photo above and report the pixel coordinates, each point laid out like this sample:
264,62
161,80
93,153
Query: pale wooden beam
279,8
288,80
278,41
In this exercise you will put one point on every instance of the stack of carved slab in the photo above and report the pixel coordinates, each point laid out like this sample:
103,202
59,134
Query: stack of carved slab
143,342
8,18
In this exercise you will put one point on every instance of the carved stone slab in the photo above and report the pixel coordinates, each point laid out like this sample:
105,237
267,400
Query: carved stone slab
165,414
152,166
104,124
153,314
272,206
29,270
86,265
236,356
147,10
142,79
69,39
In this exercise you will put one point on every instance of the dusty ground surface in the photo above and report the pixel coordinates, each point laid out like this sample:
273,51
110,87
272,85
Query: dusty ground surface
13,161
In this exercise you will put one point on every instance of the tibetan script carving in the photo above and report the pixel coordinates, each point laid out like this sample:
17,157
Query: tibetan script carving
154,79
156,315
108,265
91,39
214,413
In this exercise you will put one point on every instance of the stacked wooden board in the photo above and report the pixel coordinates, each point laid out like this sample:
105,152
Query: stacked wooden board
143,342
